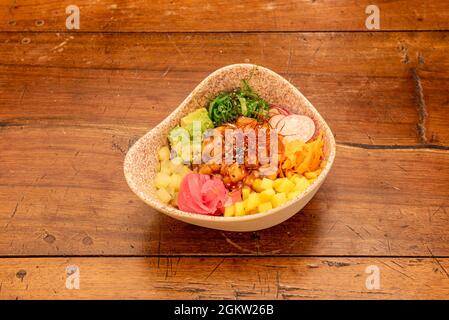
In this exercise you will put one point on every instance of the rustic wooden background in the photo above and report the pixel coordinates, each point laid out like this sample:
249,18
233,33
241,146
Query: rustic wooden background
72,103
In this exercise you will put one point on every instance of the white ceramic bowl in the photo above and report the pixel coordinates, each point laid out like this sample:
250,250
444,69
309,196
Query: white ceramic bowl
141,160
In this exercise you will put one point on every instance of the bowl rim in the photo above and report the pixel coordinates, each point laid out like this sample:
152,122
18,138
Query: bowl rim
152,201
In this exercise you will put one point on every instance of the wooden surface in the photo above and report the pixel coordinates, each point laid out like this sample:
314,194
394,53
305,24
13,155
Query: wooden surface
224,278
72,103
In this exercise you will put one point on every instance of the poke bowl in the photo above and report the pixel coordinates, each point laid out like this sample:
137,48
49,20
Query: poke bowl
243,152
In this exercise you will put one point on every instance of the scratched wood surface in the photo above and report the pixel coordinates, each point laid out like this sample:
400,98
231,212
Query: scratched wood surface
224,278
72,103
223,15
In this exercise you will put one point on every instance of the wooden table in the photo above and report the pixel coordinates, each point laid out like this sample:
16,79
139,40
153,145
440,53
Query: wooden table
72,102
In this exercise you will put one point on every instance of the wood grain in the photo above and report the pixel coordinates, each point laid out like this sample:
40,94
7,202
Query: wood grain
63,193
372,88
127,100
224,278
220,15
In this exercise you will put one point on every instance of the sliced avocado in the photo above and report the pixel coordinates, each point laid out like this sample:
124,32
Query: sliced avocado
200,115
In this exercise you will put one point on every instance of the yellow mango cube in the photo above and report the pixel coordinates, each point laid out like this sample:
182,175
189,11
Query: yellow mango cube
266,184
278,199
229,211
164,153
239,208
293,194
295,179
284,185
266,195
163,195
301,184
257,185
167,167
245,192
162,180
175,181
252,202
265,206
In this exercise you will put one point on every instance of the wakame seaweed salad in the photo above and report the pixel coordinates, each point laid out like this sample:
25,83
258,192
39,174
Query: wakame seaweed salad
243,101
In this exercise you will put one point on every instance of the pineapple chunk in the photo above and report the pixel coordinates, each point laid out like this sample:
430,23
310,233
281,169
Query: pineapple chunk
266,184
245,192
175,181
265,206
292,195
278,199
163,195
239,208
284,185
164,153
162,180
229,211
266,195
257,185
252,202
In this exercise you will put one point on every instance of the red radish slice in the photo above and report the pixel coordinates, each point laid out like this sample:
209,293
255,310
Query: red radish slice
281,110
274,120
273,111
296,126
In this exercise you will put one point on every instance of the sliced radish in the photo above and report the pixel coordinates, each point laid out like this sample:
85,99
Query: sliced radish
281,110
274,120
296,127
273,112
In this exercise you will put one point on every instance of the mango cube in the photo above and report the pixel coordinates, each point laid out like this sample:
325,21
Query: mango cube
175,181
278,199
163,195
257,185
164,153
245,192
229,211
301,184
266,195
162,180
266,184
292,195
167,167
265,206
239,208
252,202
284,185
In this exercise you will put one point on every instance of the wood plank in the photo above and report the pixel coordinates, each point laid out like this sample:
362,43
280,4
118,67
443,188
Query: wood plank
63,192
369,84
391,54
220,15
224,278
138,100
